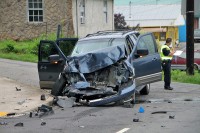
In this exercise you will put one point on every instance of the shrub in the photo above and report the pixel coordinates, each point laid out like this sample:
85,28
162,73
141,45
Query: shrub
9,48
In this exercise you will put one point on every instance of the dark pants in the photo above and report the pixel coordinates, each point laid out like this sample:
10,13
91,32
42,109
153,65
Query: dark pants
166,65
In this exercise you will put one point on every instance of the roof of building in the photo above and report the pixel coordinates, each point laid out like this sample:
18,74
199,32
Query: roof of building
152,15
146,2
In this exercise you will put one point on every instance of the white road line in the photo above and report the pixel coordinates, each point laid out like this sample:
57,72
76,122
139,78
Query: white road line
123,130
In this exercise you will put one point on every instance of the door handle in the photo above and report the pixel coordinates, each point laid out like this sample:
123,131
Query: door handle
43,67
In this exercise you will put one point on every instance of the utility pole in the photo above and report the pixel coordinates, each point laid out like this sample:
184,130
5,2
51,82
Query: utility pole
190,37
130,9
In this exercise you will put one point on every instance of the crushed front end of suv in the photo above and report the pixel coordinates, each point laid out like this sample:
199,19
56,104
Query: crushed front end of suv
107,67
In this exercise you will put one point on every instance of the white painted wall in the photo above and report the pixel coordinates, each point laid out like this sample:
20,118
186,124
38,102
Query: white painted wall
199,22
94,17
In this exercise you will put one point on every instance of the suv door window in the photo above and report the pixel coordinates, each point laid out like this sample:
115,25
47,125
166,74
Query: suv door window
129,45
47,49
67,46
147,42
48,71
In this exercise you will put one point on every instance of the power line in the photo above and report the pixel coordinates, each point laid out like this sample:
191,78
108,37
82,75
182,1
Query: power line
152,2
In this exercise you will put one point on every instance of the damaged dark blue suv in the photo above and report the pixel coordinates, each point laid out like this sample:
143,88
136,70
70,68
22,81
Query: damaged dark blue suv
102,68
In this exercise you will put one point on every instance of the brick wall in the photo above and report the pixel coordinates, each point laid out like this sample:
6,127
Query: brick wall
14,19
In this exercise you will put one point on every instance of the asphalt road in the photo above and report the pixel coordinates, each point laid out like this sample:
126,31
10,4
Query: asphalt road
183,103
23,72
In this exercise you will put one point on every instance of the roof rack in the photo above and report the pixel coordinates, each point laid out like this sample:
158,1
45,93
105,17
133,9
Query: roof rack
106,32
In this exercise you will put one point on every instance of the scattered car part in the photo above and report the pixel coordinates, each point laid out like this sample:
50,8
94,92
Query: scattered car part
171,116
43,98
31,115
159,112
43,123
65,102
188,99
20,124
17,89
21,102
44,110
135,120
10,114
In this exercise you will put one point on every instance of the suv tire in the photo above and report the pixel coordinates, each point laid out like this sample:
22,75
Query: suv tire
58,86
145,90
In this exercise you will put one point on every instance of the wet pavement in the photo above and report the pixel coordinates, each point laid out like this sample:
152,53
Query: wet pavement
162,111
178,109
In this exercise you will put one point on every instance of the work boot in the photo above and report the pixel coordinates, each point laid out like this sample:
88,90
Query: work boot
168,88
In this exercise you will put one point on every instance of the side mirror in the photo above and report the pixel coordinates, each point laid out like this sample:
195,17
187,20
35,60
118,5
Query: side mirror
54,59
141,52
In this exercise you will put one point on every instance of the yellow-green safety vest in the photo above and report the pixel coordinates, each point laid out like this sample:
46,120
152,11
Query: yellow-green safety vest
163,57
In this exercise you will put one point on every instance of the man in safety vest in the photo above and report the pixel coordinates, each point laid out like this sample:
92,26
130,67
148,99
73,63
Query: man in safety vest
166,57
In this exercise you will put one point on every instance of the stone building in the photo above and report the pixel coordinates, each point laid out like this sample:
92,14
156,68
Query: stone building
27,19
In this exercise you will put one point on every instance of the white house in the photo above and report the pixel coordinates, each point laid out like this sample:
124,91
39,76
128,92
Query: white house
163,20
90,16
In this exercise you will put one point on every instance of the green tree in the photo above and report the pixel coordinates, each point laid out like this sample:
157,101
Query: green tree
119,21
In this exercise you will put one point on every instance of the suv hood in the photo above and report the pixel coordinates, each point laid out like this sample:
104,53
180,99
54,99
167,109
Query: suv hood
93,61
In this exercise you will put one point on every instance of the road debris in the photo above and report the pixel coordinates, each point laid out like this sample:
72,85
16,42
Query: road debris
21,102
141,109
44,110
171,116
3,123
82,126
31,115
159,112
43,98
20,124
43,123
11,114
135,120
65,102
169,101
188,99
17,89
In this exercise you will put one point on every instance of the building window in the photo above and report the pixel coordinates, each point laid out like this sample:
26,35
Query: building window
82,12
35,11
105,10
162,36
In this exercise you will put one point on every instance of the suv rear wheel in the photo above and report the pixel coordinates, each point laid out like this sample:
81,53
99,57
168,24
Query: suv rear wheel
145,90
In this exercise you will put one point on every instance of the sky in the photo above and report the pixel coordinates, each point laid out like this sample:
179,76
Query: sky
145,2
